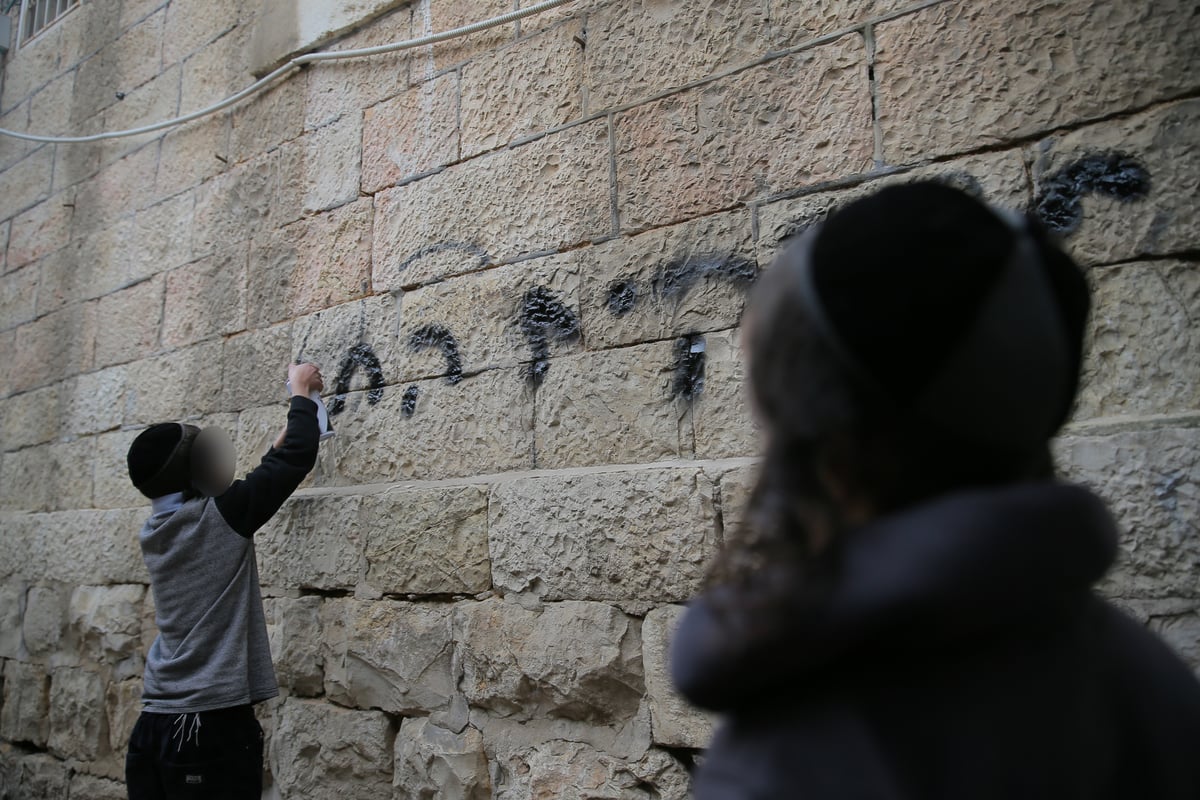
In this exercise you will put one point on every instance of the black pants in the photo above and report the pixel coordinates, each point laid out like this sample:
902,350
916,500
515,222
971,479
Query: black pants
210,755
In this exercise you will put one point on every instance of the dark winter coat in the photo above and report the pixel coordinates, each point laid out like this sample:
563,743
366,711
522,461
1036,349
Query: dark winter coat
959,653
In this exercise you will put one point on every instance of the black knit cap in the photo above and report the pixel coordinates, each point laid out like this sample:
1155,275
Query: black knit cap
973,321
158,459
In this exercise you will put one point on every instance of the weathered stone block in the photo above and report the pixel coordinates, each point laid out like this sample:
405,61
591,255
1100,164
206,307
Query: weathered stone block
191,154
1142,341
173,386
721,413
217,70
683,279
414,132
188,28
313,542
18,295
111,487
161,243
109,538
388,655
41,775
52,347
434,762
153,101
791,123
235,205
27,182
45,620
29,67
526,88
95,788
294,628
333,163
12,608
341,87
41,230
1149,478
949,80
736,486
436,16
576,771
269,119
628,537
94,402
611,407
206,299
676,724
255,369
579,661
123,705
546,195
310,265
428,541
106,622
78,723
31,417
128,323
116,190
24,716
1117,191
20,531
319,749
48,477
346,340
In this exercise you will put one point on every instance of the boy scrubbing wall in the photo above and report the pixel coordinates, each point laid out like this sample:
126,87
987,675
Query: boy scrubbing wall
197,736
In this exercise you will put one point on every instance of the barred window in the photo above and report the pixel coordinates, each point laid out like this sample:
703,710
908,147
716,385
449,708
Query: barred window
37,15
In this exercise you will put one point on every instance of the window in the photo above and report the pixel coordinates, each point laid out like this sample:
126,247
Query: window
37,15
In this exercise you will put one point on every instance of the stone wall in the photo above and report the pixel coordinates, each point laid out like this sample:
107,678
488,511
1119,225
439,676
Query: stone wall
521,258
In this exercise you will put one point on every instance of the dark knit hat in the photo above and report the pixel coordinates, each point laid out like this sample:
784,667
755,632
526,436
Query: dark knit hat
170,457
970,319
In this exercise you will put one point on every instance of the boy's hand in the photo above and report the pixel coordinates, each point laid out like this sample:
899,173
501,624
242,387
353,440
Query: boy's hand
305,379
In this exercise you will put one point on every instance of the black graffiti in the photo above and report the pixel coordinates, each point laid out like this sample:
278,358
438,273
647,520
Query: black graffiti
677,277
544,319
622,296
360,356
408,402
1059,202
688,367
438,336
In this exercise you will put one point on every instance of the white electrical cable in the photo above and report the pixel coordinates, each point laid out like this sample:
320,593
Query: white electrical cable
299,61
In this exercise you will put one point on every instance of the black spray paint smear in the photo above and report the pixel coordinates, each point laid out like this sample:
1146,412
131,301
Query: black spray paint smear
678,277
964,181
408,403
622,296
361,356
473,250
437,336
1059,203
544,319
689,367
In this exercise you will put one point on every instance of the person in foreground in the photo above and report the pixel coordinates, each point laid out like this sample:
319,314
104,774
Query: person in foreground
908,610
197,736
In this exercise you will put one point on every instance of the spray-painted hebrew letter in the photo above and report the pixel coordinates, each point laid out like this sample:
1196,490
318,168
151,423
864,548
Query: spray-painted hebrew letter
543,319
360,356
1059,202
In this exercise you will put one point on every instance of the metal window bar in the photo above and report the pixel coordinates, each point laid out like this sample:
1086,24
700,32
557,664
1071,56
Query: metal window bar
37,15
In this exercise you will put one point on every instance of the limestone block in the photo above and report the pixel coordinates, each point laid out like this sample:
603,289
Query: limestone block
1149,478
94,788
255,370
48,107
96,264
29,67
5,231
428,541
78,723
949,80
676,724
490,319
235,205
623,536
435,16
310,265
216,71
269,119
48,477
109,538
128,323
12,607
687,278
434,762
117,189
206,298
997,178
16,557
546,195
341,87
255,434
111,487
611,407
479,426
414,132
13,150
123,705
45,620
790,123
573,660
577,771
313,542
333,164
162,242
173,386
318,750
106,621
18,294
153,101
294,628
41,230
388,655
721,413
529,87
94,402
31,417
1117,191
334,340
8,342
1142,341
736,487
188,27
42,775
27,182
191,154
24,716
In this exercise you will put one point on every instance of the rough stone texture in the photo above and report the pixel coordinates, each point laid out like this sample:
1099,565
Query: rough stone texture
124,330
111,487
109,538
78,723
319,750
571,660
95,788
387,655
546,194
1111,229
294,628
50,477
313,543
173,386
577,771
736,487
1143,341
24,716
205,299
410,134
106,623
957,57
18,296
722,421
676,724
434,762
41,776
27,182
123,706
44,620
192,153
94,402
620,536
750,136
332,164
328,338
41,230
26,421
255,369
52,347
12,607
428,542
1150,478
